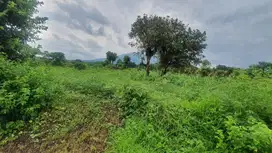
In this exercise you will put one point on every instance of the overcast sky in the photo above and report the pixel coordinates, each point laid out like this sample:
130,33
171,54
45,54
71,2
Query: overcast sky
239,31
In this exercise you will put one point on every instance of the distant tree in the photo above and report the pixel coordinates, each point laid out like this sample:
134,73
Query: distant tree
78,60
126,60
119,63
79,64
57,58
250,73
111,56
226,69
222,67
206,63
106,62
131,65
18,26
28,51
263,66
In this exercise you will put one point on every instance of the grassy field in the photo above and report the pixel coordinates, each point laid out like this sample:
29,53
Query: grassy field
124,111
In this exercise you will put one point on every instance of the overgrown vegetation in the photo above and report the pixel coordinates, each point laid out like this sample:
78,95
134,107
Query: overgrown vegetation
25,92
174,113
51,104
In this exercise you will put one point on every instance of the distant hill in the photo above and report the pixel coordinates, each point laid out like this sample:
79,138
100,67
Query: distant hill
134,58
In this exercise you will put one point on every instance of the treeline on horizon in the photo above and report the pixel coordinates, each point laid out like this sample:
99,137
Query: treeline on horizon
204,68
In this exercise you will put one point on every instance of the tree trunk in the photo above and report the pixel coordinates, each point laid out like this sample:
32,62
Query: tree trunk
148,65
165,69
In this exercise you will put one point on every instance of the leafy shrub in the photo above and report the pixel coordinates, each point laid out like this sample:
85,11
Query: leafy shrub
239,121
24,92
80,65
133,102
204,71
253,137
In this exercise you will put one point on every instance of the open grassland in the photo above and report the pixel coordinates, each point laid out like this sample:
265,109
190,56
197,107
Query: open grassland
101,109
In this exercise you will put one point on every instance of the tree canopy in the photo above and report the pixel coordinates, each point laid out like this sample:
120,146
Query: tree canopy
57,58
176,44
111,56
126,60
18,25
205,63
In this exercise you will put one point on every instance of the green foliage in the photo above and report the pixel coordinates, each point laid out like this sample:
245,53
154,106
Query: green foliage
57,58
205,64
133,65
205,71
97,64
176,44
24,92
126,60
218,71
18,26
173,113
78,64
262,69
111,56
119,63
190,114
253,137
93,88
145,34
133,101
106,62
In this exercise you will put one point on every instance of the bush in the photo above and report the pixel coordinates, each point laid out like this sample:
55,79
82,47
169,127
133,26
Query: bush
80,65
133,101
253,137
24,92
204,72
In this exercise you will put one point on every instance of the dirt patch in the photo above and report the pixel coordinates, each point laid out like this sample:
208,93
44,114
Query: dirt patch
91,137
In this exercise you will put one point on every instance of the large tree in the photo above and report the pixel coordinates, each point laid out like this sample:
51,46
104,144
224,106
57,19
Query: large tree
144,32
111,56
180,46
18,25
176,44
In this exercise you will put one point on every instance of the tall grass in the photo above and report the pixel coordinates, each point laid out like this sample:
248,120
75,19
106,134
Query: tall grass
176,113
187,113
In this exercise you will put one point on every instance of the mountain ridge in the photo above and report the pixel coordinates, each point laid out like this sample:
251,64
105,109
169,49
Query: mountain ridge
133,57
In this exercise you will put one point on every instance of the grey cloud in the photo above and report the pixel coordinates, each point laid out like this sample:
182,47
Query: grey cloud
121,42
241,37
239,32
243,14
89,44
77,17
56,36
74,47
67,47
79,13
